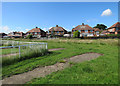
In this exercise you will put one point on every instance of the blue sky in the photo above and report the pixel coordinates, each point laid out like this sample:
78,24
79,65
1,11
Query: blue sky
23,16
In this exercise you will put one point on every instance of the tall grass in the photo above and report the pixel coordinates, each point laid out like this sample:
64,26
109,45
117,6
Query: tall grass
26,53
8,43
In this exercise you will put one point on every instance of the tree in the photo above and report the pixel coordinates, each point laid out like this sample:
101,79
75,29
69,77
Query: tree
76,34
29,36
101,26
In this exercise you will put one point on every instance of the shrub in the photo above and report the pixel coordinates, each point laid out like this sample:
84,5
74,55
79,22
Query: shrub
29,36
62,61
76,34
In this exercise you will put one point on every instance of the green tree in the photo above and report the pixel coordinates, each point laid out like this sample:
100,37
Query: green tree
76,34
29,36
101,26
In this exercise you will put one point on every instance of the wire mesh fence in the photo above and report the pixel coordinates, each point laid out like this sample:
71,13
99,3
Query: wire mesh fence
13,50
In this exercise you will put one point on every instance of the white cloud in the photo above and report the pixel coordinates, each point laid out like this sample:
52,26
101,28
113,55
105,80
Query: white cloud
107,12
45,29
73,26
5,29
88,21
26,29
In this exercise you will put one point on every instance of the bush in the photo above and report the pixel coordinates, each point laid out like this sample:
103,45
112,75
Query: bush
29,36
76,34
62,61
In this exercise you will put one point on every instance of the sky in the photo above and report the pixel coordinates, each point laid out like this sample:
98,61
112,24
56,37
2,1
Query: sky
24,16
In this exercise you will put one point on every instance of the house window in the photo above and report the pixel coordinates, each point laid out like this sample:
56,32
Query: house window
74,30
86,30
97,31
62,32
91,30
79,30
35,32
57,31
116,28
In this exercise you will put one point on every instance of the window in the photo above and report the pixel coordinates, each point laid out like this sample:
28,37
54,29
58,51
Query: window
57,31
79,30
61,31
31,33
116,28
35,32
86,30
91,30
97,31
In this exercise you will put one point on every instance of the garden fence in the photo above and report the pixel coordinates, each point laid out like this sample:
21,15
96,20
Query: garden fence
15,48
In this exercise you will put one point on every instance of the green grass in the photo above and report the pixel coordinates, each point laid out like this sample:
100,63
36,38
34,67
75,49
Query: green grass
103,70
9,51
26,53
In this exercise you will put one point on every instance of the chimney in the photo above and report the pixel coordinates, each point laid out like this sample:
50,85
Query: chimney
36,27
82,23
56,25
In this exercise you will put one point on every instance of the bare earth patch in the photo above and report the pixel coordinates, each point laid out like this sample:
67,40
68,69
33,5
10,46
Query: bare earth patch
56,49
43,71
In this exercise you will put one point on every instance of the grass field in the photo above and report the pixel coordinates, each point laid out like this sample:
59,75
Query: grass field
103,70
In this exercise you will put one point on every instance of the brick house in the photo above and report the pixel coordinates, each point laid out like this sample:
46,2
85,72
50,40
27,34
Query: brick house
85,30
16,34
36,32
96,31
57,31
115,28
2,35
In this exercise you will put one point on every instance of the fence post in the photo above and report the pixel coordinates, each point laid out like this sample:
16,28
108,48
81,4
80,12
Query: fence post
46,45
19,52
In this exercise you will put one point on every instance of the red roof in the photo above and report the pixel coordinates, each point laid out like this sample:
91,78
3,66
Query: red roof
96,29
36,30
83,27
115,25
57,28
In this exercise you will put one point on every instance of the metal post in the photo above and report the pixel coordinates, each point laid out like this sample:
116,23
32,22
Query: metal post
46,45
19,52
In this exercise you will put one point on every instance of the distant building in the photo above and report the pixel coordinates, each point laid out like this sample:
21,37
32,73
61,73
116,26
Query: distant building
85,30
115,28
96,31
105,32
36,32
2,35
57,31
16,34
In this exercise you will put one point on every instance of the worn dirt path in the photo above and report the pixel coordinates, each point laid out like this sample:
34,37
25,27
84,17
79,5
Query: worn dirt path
43,71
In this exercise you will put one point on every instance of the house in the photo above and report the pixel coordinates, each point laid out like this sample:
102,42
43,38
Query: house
85,30
105,32
57,31
2,35
115,28
36,32
16,34
96,31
